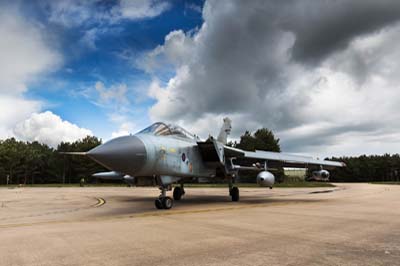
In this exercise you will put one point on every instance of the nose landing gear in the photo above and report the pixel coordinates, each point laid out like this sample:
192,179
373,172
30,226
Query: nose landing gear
164,202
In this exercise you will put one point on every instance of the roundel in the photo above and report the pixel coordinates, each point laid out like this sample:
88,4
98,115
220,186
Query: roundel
183,157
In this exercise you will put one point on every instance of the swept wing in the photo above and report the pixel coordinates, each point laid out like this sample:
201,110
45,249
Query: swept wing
275,159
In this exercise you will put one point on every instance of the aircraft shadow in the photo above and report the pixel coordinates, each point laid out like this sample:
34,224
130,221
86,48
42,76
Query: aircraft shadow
136,205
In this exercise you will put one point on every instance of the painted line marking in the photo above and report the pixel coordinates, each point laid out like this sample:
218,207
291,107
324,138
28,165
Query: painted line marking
100,202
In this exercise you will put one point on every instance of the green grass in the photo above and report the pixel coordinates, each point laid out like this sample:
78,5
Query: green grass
193,185
386,183
207,185
67,185
278,185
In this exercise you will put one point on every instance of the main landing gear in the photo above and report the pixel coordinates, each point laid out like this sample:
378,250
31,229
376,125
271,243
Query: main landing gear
164,202
233,192
178,192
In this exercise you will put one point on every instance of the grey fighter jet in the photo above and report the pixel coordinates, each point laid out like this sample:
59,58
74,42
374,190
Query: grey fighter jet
164,154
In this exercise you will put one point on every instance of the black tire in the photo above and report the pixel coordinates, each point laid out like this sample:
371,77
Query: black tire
235,194
177,193
167,202
158,204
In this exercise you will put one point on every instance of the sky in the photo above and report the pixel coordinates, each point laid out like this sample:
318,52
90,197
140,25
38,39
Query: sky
322,75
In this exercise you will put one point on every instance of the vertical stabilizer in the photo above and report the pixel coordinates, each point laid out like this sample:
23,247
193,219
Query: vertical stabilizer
225,130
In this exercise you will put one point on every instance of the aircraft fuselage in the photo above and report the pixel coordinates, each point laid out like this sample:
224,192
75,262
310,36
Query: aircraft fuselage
144,155
173,156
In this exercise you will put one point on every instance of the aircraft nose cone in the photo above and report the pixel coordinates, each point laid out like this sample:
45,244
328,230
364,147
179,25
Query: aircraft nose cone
124,154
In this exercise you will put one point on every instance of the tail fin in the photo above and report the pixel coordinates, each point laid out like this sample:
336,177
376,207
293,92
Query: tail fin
225,130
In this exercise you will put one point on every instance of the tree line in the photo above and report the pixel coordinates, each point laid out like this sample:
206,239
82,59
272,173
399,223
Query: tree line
35,163
372,168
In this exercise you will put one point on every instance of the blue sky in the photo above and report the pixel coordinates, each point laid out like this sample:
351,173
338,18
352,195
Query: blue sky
107,57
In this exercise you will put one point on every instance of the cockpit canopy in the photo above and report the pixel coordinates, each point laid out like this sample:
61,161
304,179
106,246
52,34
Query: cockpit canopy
162,129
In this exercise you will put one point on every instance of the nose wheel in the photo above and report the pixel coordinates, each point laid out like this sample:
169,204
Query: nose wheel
164,202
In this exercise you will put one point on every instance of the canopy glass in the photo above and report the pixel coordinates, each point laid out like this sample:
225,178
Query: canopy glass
162,129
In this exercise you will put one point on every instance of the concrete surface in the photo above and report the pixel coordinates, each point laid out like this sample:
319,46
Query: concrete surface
355,224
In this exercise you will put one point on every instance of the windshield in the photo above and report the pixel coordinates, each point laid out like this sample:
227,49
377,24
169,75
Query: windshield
162,129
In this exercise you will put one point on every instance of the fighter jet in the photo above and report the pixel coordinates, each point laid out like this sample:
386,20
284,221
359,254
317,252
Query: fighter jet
165,154
319,176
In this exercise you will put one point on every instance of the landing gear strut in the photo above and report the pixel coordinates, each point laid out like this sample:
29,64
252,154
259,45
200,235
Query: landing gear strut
233,192
178,192
163,202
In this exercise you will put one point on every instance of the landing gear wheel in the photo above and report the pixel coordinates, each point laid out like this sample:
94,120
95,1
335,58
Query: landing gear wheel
178,193
167,202
234,192
158,204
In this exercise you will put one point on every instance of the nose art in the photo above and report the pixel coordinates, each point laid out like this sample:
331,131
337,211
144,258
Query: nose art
124,154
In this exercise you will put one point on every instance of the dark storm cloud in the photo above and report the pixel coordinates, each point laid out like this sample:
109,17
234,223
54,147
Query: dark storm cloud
323,27
237,56
328,136
262,62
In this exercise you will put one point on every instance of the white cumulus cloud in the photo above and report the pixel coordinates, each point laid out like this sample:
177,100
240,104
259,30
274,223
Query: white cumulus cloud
176,50
139,9
115,93
50,129
125,128
14,109
25,56
24,52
